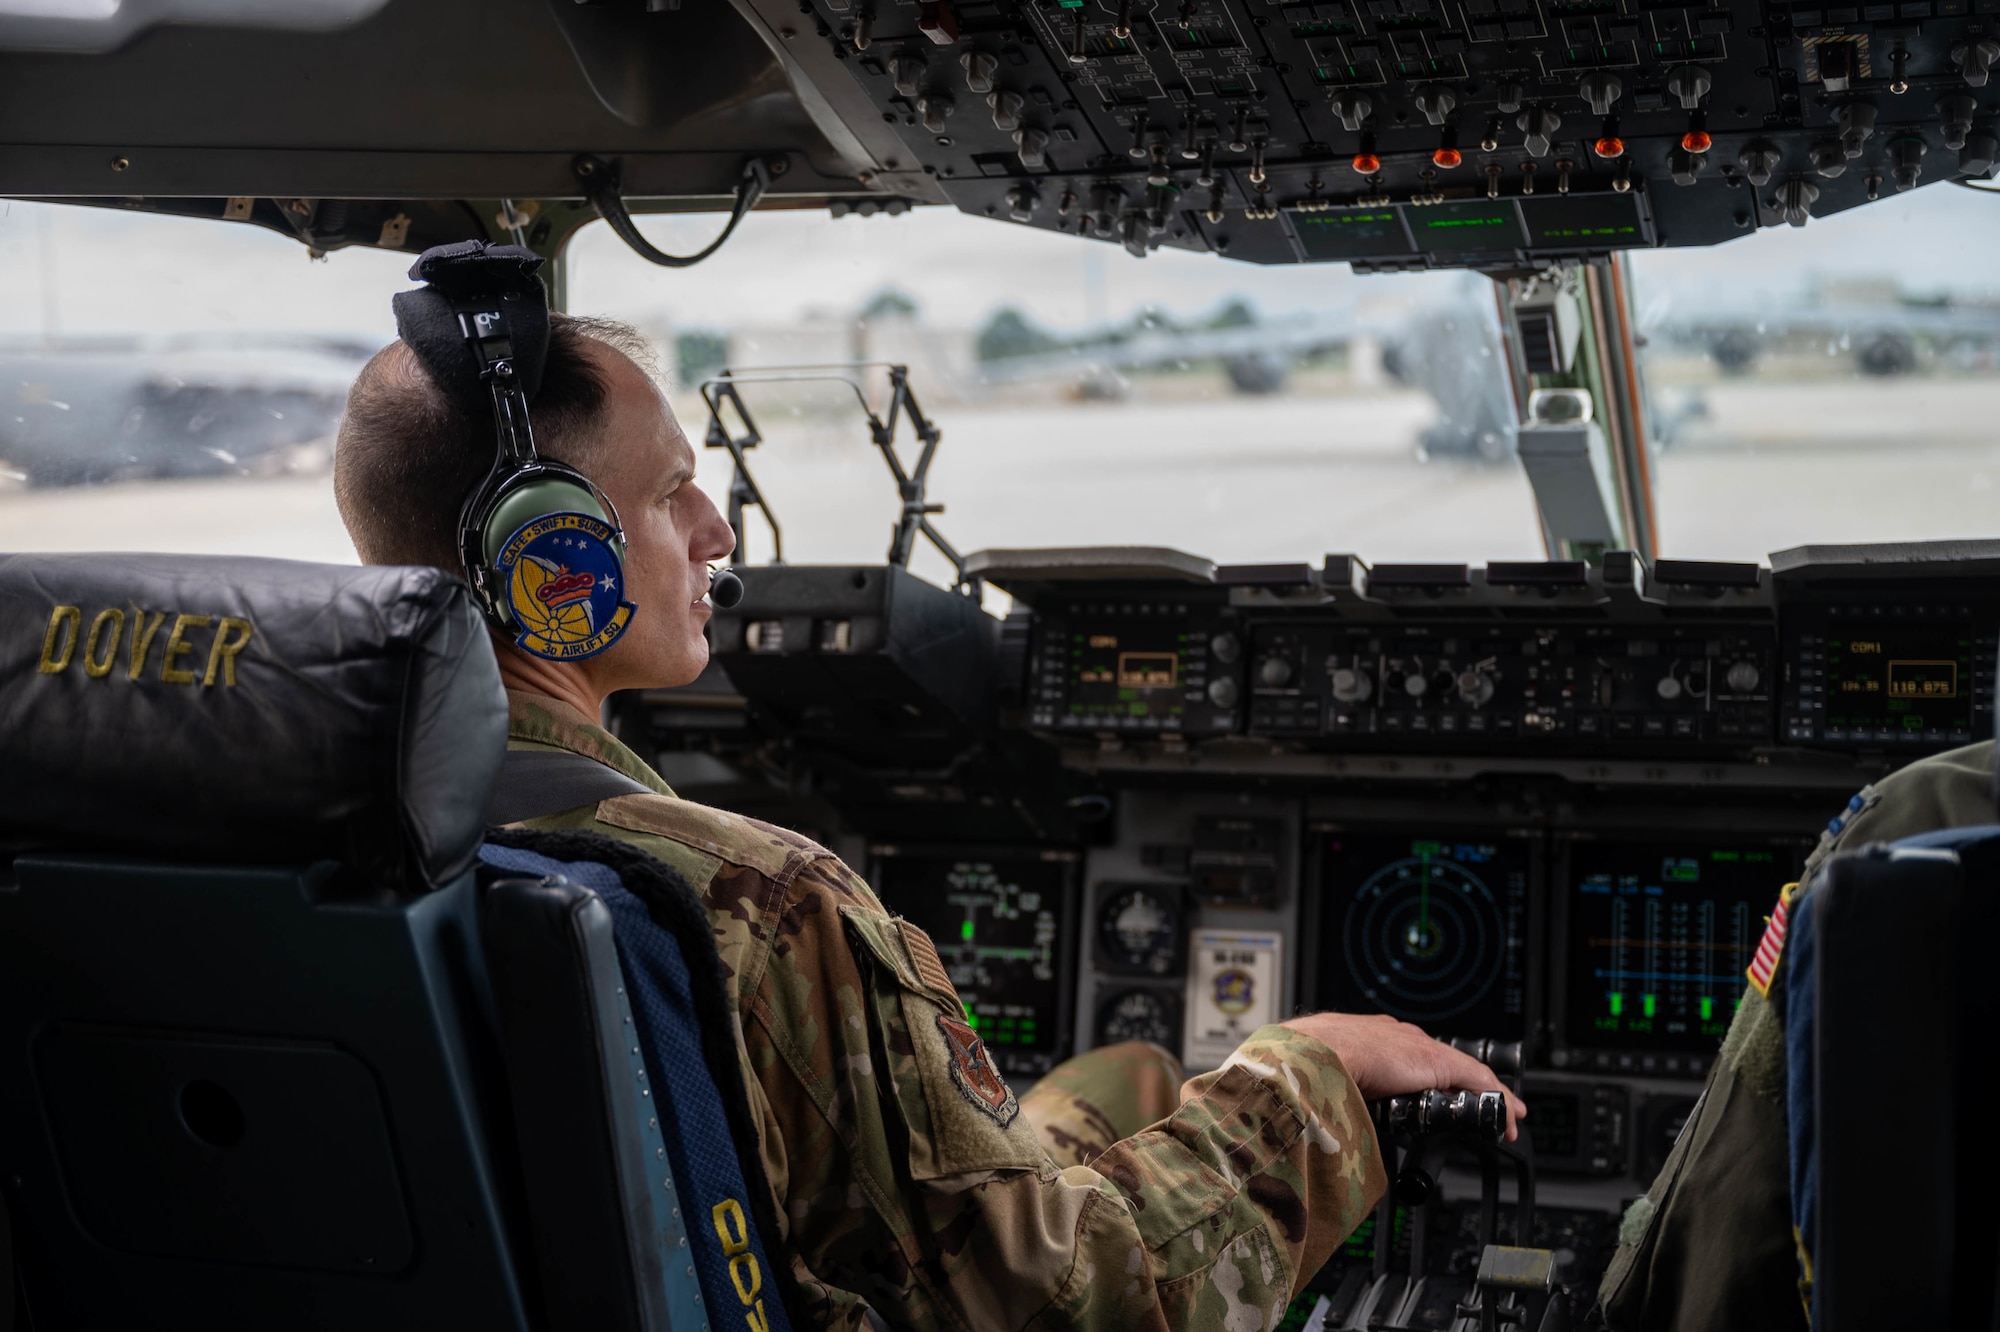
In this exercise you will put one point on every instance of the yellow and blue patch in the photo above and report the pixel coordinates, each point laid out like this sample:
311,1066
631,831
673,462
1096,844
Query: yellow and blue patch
564,584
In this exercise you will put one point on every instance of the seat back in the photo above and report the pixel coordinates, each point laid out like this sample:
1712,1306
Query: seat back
274,1050
1889,1013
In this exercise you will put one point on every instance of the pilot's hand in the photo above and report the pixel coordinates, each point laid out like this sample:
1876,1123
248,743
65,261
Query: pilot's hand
1390,1058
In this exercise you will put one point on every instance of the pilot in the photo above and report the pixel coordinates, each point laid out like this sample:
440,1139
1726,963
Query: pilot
913,1188
1711,1245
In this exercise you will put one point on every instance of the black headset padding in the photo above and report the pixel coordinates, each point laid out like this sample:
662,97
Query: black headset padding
466,276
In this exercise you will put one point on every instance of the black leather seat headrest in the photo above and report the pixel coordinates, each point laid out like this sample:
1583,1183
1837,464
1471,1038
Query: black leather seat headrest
247,710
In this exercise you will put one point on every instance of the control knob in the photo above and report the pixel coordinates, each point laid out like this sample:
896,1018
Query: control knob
1033,147
1689,83
1828,158
1352,108
1436,103
907,71
1742,676
1857,126
1540,125
1976,156
1758,161
1906,154
933,109
1669,687
1415,685
1975,59
1475,687
1956,113
1350,685
1007,108
1274,671
979,70
1223,692
1226,648
1600,90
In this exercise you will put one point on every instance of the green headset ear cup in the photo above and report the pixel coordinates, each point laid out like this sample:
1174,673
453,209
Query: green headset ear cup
531,502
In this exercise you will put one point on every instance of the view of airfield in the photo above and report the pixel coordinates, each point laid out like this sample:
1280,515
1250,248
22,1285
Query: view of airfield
174,385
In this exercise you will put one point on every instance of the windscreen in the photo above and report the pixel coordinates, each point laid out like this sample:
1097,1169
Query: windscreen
175,385
1837,383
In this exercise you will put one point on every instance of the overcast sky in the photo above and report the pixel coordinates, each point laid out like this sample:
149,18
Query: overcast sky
99,271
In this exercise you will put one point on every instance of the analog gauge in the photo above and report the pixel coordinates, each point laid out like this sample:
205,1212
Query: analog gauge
1139,929
1140,1015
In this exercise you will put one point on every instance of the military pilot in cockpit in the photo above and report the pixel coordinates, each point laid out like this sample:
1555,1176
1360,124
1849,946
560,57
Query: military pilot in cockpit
912,1188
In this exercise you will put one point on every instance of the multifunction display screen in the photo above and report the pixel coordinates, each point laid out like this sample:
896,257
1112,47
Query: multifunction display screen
1660,936
1430,928
998,925
1909,678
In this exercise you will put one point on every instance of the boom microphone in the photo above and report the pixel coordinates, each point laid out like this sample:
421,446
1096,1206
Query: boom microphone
725,589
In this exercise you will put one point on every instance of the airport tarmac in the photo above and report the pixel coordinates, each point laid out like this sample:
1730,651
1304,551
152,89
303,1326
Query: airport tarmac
1236,479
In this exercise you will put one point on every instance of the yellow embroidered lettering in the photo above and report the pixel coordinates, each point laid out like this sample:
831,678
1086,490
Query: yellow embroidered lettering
142,639
756,1319
61,619
178,647
738,1265
93,666
730,1226
223,654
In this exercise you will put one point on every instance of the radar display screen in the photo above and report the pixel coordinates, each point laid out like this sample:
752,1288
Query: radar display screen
999,924
1901,679
1429,929
1660,934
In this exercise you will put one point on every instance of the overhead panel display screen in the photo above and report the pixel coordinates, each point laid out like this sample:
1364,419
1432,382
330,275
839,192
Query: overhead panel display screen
1660,934
998,925
1350,233
1899,678
1584,221
1429,928
1466,228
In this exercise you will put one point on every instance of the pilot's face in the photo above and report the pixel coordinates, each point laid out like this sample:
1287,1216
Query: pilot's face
672,531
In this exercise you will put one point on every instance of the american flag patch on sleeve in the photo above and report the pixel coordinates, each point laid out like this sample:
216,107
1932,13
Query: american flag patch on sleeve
1771,948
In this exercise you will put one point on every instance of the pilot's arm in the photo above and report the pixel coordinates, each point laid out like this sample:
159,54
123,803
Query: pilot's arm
1710,1246
911,1184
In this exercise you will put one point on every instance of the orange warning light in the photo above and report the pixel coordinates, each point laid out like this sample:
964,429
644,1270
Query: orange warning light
1697,141
1367,163
1609,146
1447,158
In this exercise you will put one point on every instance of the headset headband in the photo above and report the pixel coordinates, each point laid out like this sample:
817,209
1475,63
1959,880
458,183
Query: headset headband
543,567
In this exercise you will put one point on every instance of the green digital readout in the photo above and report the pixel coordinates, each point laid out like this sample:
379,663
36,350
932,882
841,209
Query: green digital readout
1464,228
1584,221
1661,935
1351,233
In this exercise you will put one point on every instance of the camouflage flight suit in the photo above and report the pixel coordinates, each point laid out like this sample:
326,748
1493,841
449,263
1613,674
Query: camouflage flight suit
1710,1245
912,1187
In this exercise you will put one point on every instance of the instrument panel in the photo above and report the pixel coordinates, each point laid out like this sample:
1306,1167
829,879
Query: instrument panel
1538,803
1400,134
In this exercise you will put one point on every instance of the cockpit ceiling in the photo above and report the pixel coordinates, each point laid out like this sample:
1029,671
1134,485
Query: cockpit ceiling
1386,133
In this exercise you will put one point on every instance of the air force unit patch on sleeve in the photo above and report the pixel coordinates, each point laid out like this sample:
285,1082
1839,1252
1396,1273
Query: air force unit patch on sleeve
1771,948
972,1069
563,585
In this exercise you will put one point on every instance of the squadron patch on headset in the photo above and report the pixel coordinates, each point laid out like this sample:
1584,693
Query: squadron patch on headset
563,584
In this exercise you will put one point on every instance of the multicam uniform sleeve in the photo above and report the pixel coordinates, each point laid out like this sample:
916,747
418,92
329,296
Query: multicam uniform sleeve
916,1194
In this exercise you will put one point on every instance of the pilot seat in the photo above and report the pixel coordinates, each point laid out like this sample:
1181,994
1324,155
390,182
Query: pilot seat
285,1040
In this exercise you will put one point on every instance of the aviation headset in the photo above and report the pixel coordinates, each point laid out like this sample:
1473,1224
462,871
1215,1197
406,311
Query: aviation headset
539,542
